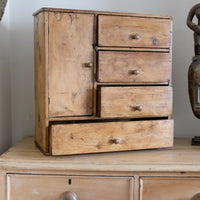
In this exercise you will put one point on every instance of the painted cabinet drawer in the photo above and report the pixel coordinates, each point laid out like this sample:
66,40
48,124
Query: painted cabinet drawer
134,67
169,188
119,31
43,187
110,136
148,101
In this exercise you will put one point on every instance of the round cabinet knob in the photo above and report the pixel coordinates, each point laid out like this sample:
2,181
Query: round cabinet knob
196,197
69,196
139,108
116,141
135,36
89,65
135,72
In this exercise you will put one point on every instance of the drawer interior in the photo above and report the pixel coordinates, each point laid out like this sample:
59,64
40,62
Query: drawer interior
42,187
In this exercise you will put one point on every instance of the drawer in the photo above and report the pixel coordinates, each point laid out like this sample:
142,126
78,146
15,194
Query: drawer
169,188
119,31
110,136
43,187
146,101
134,67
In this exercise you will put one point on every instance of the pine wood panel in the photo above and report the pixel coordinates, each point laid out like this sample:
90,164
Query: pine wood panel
119,67
41,79
118,31
100,12
99,137
169,188
156,101
42,187
70,79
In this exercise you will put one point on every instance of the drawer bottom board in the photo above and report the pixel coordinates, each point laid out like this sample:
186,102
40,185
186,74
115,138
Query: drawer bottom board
66,139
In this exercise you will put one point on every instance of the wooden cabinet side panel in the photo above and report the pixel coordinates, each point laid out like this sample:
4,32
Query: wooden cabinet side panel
3,185
41,96
152,188
71,64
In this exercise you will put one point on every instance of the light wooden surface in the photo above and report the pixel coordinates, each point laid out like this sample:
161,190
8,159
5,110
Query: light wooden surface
41,79
70,50
99,12
165,188
123,101
41,187
118,31
181,158
119,66
95,137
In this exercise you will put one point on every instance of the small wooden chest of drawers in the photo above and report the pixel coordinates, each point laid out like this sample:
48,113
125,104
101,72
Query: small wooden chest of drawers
102,81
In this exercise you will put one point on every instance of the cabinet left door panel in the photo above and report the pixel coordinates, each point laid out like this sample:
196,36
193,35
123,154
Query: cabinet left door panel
70,64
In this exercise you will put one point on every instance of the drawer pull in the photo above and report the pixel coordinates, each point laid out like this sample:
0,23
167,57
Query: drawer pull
196,197
138,108
88,65
116,141
135,72
69,196
135,36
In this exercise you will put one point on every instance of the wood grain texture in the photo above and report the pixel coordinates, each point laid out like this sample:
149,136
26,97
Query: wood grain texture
99,137
70,80
119,67
156,101
118,31
61,10
41,187
41,79
165,188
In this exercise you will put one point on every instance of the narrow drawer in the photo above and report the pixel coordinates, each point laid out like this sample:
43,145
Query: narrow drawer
134,67
125,31
169,188
41,187
149,101
110,136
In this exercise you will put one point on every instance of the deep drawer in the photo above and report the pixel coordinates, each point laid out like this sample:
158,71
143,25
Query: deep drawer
110,136
124,31
134,67
169,188
136,102
41,187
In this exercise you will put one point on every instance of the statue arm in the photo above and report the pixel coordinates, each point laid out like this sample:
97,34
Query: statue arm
193,26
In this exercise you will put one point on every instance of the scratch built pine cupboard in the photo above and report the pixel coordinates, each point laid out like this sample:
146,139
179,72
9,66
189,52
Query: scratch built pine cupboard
102,81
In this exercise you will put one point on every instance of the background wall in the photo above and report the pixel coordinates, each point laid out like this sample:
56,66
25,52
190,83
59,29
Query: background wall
20,79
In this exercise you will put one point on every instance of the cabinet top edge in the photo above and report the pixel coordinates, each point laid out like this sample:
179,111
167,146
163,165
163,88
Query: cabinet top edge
100,12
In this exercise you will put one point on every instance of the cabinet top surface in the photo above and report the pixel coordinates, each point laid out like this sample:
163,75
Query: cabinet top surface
182,157
99,12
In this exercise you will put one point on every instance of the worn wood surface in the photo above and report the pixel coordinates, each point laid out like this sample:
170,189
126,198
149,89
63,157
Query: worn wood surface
100,12
165,188
52,187
119,67
70,76
41,79
99,137
118,31
156,101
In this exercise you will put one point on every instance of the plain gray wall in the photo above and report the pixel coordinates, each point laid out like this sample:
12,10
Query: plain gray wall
20,79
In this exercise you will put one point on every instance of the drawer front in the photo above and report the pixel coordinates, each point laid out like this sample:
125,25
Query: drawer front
43,187
149,101
110,136
134,32
134,67
169,188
